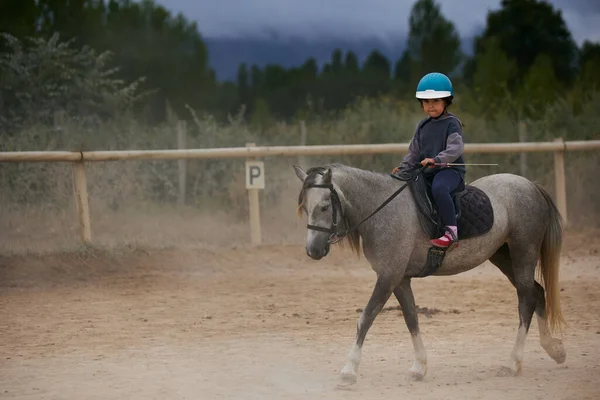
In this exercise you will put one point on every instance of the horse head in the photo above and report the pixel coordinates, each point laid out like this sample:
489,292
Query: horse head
323,208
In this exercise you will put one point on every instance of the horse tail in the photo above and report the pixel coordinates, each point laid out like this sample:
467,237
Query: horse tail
550,261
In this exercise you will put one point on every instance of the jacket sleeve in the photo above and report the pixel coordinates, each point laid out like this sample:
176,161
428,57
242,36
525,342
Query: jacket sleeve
454,144
414,151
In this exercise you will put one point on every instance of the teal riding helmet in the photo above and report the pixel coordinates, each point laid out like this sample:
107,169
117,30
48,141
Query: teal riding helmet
434,85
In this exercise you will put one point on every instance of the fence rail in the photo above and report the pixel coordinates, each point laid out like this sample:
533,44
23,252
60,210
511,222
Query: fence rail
279,151
79,158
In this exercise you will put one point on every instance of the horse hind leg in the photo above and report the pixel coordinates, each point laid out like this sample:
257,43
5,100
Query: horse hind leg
554,347
520,271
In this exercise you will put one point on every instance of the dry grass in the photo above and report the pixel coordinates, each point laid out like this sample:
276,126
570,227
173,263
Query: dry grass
135,202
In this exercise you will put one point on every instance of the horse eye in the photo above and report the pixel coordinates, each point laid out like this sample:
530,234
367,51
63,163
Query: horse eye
325,208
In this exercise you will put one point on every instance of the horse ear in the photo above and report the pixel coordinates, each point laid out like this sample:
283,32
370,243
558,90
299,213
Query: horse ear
300,173
327,177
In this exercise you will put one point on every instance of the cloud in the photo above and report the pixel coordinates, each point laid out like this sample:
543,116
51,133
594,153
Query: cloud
355,18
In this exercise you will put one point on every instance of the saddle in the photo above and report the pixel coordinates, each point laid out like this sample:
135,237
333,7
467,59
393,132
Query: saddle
474,213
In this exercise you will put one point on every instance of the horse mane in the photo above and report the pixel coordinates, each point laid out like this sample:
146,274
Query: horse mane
352,239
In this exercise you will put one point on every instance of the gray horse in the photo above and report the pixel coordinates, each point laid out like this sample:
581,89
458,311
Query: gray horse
527,227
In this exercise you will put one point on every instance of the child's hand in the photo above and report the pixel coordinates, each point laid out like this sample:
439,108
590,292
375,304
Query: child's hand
395,170
428,161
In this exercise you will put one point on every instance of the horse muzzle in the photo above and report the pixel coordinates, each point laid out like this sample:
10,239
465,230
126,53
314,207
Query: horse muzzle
317,252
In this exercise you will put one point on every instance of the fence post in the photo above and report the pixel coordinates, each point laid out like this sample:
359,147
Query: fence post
559,181
181,139
81,199
302,159
523,155
254,210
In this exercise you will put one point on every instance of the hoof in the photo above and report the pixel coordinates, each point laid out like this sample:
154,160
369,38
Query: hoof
556,351
507,371
416,376
346,380
417,372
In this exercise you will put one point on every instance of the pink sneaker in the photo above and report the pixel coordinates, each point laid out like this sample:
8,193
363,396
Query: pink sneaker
448,239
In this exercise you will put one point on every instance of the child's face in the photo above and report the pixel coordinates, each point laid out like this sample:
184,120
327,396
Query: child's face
433,107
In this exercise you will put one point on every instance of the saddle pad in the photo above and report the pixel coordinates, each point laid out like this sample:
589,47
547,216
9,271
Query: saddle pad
476,213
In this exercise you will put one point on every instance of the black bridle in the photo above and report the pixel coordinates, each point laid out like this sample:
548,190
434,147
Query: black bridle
335,203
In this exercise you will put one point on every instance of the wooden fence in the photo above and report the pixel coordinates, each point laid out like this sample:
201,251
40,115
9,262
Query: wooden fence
558,147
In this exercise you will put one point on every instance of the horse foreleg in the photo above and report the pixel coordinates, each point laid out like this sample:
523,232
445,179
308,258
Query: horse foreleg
404,295
381,294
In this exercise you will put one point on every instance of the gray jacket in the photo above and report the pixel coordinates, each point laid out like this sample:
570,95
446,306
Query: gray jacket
440,139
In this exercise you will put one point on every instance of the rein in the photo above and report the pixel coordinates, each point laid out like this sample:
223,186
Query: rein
335,201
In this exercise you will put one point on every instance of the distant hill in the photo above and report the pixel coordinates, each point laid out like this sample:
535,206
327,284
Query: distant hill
226,54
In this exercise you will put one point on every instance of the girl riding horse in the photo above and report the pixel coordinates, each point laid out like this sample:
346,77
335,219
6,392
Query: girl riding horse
438,139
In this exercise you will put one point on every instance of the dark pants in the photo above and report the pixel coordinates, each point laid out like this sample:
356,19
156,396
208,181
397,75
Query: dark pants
444,183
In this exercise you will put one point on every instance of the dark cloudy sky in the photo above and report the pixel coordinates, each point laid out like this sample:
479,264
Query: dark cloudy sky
356,18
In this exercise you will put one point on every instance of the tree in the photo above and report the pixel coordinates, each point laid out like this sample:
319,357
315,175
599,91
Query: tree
402,67
433,42
43,76
243,86
377,63
402,73
261,117
336,66
335,84
525,29
76,20
588,80
148,41
257,77
540,87
376,71
589,52
351,62
18,18
493,73
144,38
309,69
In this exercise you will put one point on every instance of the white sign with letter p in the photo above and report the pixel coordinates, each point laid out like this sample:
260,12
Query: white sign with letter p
255,175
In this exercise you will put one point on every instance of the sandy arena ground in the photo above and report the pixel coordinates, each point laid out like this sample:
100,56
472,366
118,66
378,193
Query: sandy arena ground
269,323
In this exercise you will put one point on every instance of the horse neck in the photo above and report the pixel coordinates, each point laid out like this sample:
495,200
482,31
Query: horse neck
363,191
